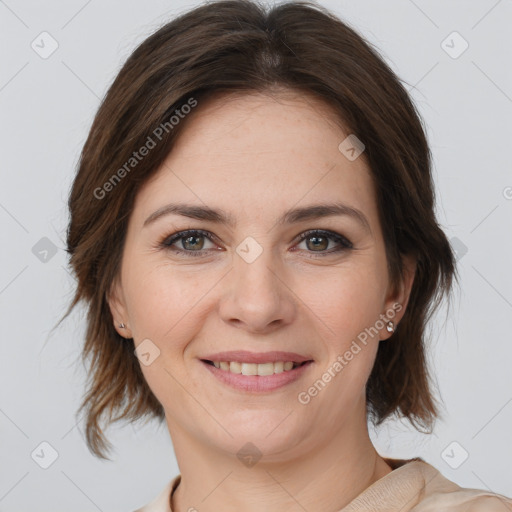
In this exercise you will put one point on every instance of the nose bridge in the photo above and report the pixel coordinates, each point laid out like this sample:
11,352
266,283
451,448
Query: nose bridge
258,296
254,267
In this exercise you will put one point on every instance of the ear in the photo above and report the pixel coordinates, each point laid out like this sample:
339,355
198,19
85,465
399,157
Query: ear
398,297
117,305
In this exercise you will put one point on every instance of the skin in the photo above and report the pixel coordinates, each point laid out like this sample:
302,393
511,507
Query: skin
256,156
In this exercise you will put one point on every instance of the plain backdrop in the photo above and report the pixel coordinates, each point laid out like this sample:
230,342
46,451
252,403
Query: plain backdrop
462,85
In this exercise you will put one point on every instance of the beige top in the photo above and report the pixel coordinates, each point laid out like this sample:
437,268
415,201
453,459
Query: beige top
412,486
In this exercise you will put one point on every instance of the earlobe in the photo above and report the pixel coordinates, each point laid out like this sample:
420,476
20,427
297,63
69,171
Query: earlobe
118,309
397,302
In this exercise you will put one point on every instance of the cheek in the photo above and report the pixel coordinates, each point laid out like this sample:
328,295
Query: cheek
161,299
349,304
348,300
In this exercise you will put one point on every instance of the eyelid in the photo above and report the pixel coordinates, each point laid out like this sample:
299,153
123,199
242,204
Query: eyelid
328,234
168,240
343,241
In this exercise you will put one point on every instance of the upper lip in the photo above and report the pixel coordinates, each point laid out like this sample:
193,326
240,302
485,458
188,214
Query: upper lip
243,356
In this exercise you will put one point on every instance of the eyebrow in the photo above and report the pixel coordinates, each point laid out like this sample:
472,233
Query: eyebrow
293,216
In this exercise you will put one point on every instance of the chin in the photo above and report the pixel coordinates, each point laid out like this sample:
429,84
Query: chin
272,431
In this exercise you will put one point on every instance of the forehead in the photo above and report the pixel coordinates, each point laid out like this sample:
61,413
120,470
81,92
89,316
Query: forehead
244,150
281,123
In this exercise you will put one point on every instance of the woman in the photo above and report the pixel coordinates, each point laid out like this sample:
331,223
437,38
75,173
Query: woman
252,227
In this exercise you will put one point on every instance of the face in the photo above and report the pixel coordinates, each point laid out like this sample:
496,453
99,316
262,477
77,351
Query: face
264,282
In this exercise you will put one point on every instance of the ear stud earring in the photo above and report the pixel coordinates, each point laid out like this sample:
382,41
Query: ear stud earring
390,326
122,326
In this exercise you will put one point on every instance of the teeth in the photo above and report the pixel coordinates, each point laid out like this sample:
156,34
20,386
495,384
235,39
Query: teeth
265,368
254,368
235,367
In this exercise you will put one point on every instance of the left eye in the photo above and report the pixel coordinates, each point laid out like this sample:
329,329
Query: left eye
320,240
192,242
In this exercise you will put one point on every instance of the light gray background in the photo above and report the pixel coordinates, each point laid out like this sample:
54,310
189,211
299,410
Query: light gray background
47,106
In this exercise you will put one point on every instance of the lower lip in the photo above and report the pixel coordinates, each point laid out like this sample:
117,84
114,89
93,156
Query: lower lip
257,383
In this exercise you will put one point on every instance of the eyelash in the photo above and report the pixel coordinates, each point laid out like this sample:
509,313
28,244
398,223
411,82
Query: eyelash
167,242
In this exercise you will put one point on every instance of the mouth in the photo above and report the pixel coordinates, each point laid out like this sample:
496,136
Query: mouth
261,377
260,369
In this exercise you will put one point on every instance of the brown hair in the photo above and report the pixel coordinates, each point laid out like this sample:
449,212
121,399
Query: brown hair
238,46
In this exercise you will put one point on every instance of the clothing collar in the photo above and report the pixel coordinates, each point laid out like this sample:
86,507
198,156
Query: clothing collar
400,489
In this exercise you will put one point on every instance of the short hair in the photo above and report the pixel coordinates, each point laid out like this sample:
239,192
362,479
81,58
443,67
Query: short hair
240,46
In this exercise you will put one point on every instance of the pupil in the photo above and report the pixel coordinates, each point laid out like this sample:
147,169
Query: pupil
192,238
316,238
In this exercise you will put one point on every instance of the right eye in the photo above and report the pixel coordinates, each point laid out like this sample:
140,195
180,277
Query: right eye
190,241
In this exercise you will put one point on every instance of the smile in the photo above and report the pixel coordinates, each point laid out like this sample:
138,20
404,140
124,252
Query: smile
261,369
256,377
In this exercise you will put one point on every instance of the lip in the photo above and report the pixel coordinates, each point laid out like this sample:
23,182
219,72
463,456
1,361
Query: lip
257,383
243,356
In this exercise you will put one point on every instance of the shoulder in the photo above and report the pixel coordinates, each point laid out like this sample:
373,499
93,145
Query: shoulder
465,500
490,504
442,495
162,502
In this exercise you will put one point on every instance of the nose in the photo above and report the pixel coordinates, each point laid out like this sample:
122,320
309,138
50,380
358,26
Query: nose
257,297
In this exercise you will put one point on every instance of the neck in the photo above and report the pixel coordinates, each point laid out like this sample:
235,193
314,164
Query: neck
325,478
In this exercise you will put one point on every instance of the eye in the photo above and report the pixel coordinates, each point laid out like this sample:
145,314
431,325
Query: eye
317,241
192,242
